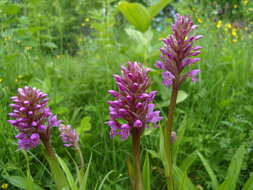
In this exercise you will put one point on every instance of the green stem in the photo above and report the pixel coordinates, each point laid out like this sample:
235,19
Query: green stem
80,155
167,143
136,160
57,173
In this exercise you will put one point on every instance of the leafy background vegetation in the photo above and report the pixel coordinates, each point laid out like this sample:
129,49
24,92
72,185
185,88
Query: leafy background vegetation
70,49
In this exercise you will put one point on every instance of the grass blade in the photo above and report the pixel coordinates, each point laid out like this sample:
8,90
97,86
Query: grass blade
209,171
187,162
249,184
68,174
233,170
103,181
146,173
85,177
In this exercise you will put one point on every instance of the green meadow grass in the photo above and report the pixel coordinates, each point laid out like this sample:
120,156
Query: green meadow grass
218,110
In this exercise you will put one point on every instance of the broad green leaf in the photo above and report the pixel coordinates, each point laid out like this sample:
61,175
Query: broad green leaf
22,182
249,183
156,8
68,174
136,14
187,162
146,173
233,170
85,177
85,125
209,170
181,96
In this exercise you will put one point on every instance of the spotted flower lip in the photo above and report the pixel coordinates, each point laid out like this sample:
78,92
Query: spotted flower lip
132,107
178,52
31,116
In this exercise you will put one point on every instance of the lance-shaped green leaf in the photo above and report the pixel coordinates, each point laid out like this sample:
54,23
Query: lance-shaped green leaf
209,170
249,183
233,170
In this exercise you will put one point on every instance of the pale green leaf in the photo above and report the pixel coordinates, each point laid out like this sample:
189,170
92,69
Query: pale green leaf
181,96
136,14
85,125
156,8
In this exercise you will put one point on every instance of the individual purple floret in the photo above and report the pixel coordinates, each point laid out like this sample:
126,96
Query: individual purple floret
178,52
31,116
132,107
68,135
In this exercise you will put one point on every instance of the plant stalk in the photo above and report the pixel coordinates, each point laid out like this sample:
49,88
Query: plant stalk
136,160
57,173
80,155
167,135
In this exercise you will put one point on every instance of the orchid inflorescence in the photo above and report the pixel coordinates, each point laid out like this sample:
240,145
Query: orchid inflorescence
178,52
133,105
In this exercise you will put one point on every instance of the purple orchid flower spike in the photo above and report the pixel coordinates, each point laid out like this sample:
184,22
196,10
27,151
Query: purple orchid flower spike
178,52
132,105
31,116
132,111
68,135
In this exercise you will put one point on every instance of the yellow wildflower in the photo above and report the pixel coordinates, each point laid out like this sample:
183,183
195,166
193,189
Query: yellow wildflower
234,32
229,26
87,19
5,186
219,24
235,6
199,20
83,24
1,80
